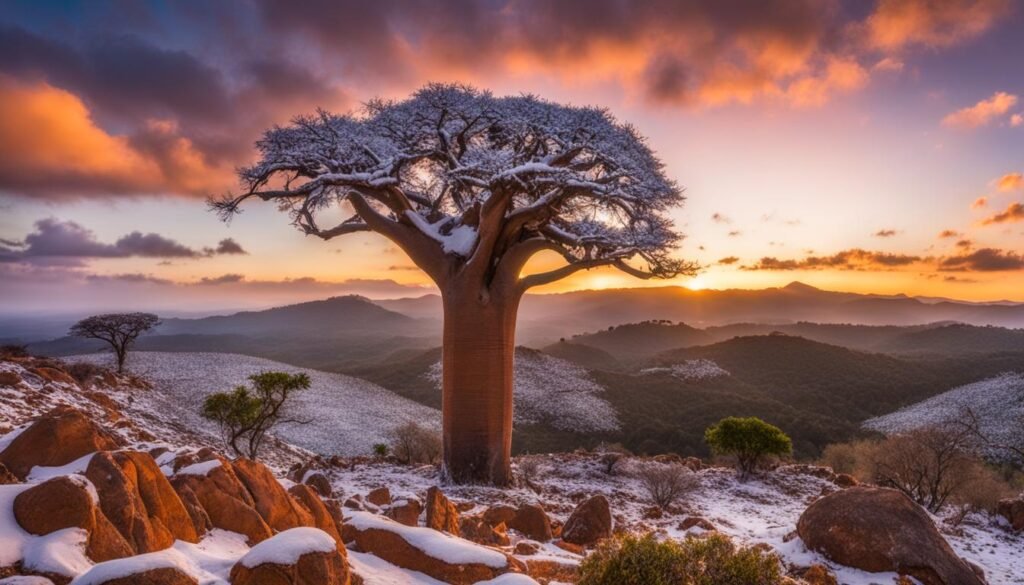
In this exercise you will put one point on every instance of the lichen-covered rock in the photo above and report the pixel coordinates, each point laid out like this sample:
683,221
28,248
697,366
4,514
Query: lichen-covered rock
878,529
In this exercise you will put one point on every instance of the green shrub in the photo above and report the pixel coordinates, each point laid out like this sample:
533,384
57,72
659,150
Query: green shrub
749,440
710,560
245,414
380,449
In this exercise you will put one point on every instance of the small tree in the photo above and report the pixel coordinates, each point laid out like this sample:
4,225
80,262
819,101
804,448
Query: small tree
749,440
245,414
118,329
415,443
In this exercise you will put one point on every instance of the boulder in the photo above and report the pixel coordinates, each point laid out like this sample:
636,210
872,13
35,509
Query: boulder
319,482
56,438
300,556
590,522
379,497
196,513
845,480
139,501
157,576
878,529
322,517
1013,511
526,548
223,498
441,556
69,502
474,528
278,510
500,514
441,513
532,521
405,511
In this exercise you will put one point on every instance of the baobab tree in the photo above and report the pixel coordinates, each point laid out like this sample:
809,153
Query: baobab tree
120,330
471,187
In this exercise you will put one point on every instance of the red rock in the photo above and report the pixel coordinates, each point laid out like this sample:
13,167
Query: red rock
161,576
590,521
320,483
271,500
6,477
379,497
441,513
405,512
56,438
225,500
65,502
317,510
474,529
499,514
697,521
1013,511
311,568
532,521
878,529
569,547
391,546
139,501
526,548
845,480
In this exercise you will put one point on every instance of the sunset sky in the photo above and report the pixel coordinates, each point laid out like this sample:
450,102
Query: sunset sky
852,145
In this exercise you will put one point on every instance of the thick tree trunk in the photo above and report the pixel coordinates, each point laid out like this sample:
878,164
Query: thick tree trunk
479,346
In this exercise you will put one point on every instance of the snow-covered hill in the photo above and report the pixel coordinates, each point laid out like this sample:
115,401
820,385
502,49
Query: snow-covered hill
347,415
997,402
556,392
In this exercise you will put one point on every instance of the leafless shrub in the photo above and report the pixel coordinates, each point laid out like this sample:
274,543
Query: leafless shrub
83,371
665,483
414,443
529,467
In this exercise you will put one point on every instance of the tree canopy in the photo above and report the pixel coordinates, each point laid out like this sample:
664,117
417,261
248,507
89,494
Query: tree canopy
461,179
748,439
117,329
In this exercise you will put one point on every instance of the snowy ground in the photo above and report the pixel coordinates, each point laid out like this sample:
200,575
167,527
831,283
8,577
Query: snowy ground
998,404
763,510
556,392
347,415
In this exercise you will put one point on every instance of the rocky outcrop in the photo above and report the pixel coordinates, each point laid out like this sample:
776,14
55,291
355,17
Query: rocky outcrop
319,482
56,438
139,501
877,529
69,502
532,521
441,513
590,522
300,556
1013,511
279,511
317,511
157,576
223,498
405,511
379,497
475,529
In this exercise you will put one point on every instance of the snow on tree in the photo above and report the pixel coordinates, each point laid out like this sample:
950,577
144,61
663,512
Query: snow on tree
471,187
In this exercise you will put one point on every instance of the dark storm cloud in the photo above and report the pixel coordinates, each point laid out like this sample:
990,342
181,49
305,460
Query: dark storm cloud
68,239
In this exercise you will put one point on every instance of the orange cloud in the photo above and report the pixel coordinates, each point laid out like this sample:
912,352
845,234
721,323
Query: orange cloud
949,234
840,75
852,259
979,203
982,112
896,24
1014,212
1016,120
1009,182
49,143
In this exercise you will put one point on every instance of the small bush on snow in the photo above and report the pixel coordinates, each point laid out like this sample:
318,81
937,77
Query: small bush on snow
750,440
414,443
709,560
665,483
612,455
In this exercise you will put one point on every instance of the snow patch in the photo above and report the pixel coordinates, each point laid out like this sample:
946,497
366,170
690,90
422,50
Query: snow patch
202,468
285,548
438,545
690,370
40,473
